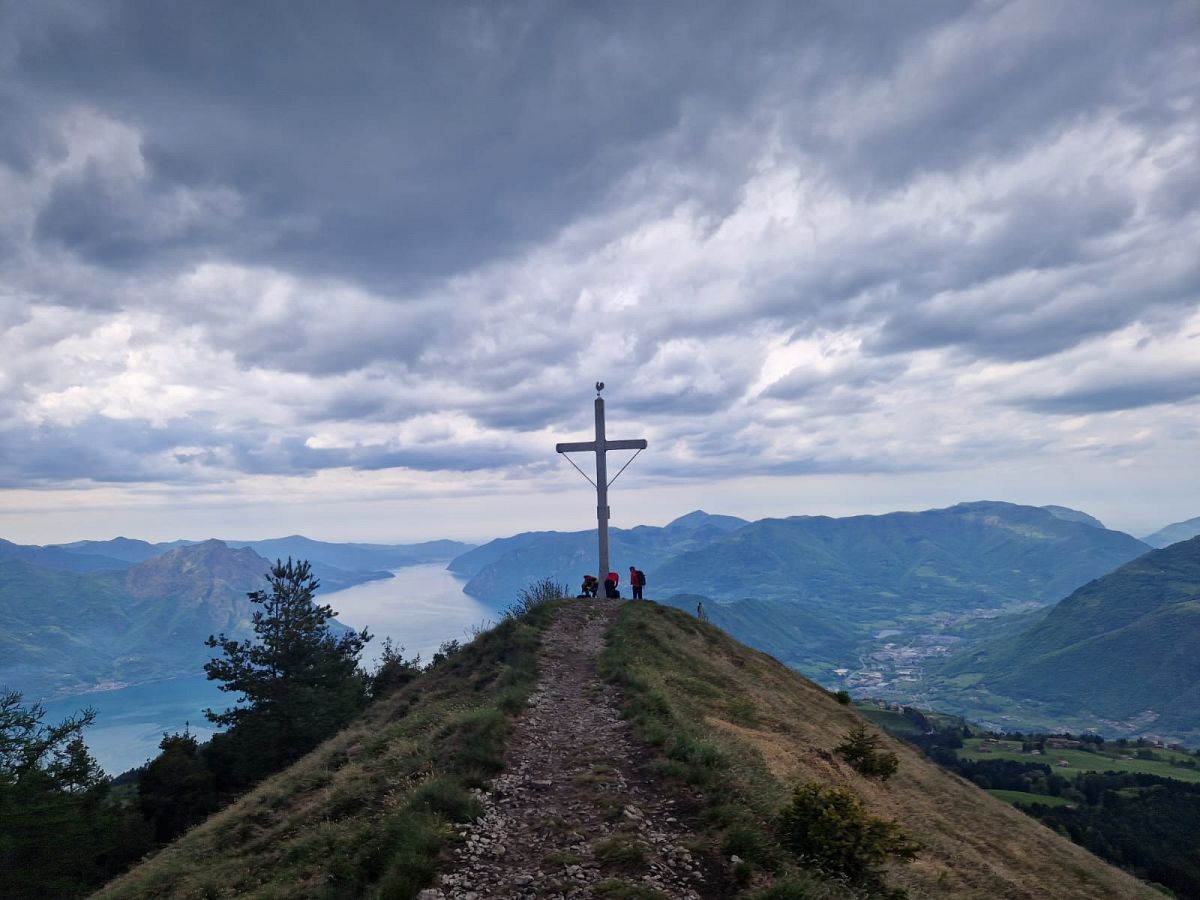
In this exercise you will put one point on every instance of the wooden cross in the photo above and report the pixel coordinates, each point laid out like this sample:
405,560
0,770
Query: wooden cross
600,446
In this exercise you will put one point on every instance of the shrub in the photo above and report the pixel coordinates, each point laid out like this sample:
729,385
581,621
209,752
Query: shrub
543,591
860,748
393,670
829,828
842,697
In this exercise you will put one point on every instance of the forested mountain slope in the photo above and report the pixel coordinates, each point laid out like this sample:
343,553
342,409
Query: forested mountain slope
69,631
1121,647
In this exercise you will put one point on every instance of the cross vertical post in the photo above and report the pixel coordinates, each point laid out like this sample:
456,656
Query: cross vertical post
600,446
602,512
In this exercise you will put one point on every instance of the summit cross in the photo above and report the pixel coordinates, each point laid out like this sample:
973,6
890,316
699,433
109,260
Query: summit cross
600,446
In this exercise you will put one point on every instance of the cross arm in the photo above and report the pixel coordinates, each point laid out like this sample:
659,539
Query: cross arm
638,444
583,446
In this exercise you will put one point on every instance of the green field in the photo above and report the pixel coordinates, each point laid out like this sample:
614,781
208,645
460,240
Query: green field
1107,760
1021,798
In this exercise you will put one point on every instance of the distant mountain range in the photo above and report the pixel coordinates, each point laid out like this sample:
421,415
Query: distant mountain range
1124,648
1173,534
95,613
812,590
497,571
337,566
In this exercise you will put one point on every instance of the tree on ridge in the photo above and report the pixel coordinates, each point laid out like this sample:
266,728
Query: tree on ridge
298,682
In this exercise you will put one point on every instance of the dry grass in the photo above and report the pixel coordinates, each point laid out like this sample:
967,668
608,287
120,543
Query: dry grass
975,845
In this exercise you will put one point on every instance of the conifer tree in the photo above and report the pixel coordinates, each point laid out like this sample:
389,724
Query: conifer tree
298,682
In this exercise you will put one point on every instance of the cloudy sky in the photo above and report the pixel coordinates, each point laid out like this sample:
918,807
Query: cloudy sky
352,269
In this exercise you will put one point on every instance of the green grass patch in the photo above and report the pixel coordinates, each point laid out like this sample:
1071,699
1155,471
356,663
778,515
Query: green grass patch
1024,798
1108,760
664,706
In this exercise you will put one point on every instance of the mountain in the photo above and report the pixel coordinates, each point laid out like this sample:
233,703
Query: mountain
337,566
1121,649
58,558
123,548
696,755
941,559
829,584
355,557
497,571
851,584
1073,515
67,632
1172,534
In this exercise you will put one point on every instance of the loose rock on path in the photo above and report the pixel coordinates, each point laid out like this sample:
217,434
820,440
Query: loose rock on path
576,814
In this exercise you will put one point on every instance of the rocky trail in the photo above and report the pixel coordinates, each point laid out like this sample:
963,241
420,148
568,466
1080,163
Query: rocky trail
576,813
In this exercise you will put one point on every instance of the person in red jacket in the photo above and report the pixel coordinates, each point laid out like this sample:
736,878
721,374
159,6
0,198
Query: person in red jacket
610,586
636,581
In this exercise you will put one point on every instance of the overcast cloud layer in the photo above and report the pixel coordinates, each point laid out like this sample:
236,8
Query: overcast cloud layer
344,253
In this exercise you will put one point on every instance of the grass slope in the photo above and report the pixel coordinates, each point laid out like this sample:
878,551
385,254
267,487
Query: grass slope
747,729
366,813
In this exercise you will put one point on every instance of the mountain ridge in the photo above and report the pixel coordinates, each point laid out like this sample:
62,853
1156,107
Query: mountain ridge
763,727
1172,534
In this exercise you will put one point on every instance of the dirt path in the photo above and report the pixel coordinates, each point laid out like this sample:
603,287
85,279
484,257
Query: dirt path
576,813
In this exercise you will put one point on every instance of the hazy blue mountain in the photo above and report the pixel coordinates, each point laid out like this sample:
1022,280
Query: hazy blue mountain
1173,534
58,558
337,566
70,631
497,571
355,557
1122,647
1073,515
128,549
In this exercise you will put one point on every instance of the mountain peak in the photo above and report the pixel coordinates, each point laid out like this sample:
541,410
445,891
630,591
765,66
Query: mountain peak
1067,514
698,518
197,571
1179,531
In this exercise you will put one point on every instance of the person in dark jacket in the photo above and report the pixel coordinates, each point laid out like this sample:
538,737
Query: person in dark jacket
636,581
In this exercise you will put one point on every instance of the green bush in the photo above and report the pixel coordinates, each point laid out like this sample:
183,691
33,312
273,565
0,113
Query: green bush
830,829
537,594
860,748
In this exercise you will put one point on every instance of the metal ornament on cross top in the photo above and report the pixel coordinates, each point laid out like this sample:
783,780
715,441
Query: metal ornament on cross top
600,446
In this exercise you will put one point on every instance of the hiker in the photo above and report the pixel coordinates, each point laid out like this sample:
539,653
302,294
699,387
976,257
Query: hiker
610,586
700,611
637,581
591,584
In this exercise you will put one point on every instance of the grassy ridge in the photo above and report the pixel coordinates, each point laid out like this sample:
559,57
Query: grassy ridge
366,813
745,729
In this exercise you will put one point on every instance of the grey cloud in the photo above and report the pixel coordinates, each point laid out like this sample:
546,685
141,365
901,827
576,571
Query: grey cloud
866,373
117,224
1132,394
405,170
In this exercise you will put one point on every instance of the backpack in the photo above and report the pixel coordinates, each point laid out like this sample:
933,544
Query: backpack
641,577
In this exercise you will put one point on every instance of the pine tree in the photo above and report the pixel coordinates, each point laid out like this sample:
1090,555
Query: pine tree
298,682
860,748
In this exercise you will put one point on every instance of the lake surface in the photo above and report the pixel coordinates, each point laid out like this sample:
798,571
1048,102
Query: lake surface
419,609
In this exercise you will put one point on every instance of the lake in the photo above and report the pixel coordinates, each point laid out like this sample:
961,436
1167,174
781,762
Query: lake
419,609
